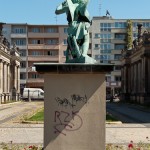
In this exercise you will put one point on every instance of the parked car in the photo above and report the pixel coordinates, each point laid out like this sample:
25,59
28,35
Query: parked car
33,93
116,98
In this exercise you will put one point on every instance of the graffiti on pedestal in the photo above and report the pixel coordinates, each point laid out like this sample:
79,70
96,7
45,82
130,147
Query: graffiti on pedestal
68,120
72,102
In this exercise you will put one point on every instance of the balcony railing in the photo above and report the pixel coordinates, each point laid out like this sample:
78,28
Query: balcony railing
41,35
42,58
42,46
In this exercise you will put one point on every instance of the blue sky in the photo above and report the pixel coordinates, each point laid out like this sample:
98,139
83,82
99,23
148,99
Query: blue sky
43,11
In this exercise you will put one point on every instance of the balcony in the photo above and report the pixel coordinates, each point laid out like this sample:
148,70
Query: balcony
14,35
118,30
118,41
41,35
23,69
22,81
43,58
42,46
35,82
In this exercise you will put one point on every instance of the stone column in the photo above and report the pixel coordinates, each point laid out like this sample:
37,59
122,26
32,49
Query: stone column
15,76
1,81
8,78
18,82
143,74
1,76
5,77
8,81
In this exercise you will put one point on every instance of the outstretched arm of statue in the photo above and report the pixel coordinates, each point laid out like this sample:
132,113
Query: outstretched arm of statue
62,8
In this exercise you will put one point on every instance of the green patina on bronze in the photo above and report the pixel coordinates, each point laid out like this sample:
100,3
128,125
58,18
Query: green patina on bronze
78,30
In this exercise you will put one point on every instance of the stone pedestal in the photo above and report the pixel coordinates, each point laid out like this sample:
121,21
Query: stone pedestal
74,106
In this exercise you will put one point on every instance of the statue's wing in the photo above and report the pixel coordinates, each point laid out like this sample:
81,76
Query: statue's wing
72,8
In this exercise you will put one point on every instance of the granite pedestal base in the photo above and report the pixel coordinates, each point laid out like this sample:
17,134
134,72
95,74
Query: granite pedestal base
74,107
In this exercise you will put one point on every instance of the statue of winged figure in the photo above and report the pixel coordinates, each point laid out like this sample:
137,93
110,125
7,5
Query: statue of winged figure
78,30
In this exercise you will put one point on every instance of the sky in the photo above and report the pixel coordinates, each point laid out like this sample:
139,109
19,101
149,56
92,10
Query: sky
43,11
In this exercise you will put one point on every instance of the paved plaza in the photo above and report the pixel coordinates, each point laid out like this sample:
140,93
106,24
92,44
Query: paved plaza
33,133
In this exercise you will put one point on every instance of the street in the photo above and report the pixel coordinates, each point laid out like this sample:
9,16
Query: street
12,111
129,113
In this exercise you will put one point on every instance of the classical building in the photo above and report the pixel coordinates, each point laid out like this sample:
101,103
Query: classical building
108,37
9,70
136,69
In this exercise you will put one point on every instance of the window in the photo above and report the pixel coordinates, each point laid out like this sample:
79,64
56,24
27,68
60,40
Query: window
135,35
108,78
35,30
64,53
52,41
117,67
105,57
97,46
117,56
97,56
36,41
135,24
119,46
97,35
34,75
52,53
22,76
23,64
20,41
19,30
65,41
22,52
105,26
52,30
120,36
90,46
105,46
120,24
66,30
36,53
105,36
117,78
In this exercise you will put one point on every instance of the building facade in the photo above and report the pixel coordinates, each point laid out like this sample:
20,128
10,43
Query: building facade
136,70
109,37
37,43
9,70
47,43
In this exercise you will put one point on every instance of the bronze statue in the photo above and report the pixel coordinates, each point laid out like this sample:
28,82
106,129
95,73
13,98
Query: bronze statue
78,30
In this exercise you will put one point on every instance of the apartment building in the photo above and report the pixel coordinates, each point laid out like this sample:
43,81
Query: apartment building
109,38
37,43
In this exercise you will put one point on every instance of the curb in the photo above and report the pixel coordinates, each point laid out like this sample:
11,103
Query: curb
7,104
114,122
32,122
